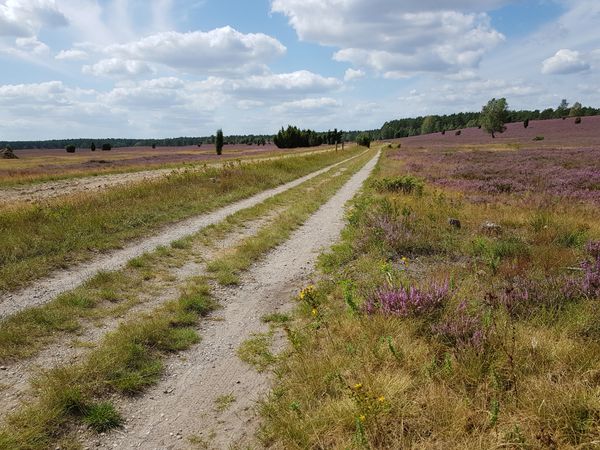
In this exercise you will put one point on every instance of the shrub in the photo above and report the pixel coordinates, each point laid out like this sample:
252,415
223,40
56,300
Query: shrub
219,142
93,147
406,184
106,147
70,148
364,140
578,120
526,123
153,145
443,132
408,302
458,133
538,138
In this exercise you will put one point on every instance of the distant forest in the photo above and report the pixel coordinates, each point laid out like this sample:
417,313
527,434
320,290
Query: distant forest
432,124
398,128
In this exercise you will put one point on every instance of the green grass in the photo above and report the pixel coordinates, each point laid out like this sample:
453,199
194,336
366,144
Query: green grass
354,380
256,351
39,238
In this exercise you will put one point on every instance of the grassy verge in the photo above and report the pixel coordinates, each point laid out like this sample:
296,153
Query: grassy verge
426,335
111,294
37,239
125,362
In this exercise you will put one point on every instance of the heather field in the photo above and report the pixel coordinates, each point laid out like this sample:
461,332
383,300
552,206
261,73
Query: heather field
461,309
556,133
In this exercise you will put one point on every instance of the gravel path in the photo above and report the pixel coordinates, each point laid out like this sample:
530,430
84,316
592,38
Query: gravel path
181,409
44,290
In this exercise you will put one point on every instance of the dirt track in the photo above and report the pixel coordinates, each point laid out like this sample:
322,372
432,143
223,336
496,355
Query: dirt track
181,407
44,290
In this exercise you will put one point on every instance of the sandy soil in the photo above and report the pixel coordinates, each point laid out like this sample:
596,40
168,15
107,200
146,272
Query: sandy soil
181,408
61,281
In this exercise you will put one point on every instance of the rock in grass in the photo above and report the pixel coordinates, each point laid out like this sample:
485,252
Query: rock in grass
454,223
491,228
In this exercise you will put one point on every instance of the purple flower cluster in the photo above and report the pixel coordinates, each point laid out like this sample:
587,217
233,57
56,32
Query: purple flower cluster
462,330
408,302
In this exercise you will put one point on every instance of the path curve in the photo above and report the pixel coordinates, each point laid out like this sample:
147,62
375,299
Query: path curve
46,289
181,407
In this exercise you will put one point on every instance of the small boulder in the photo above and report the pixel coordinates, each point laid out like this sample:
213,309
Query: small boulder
491,228
454,223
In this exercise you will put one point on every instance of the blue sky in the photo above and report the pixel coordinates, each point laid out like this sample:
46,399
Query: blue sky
162,68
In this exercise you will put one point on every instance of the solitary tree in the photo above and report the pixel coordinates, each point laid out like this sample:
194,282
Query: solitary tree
494,115
219,142
429,125
70,148
93,147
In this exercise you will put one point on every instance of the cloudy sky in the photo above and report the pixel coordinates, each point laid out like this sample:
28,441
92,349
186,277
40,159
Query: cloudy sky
163,68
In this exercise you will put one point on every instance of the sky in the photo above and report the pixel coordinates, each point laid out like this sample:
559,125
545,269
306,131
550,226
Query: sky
167,68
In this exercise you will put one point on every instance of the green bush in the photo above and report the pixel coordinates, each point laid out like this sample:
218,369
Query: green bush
70,148
364,140
406,184
106,147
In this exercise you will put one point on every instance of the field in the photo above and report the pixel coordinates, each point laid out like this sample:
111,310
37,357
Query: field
459,308
35,165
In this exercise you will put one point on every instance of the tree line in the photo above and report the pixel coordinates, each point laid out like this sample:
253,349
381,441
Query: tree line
440,123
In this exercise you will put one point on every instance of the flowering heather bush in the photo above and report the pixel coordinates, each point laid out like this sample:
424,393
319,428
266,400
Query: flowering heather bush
462,330
408,302
593,249
524,296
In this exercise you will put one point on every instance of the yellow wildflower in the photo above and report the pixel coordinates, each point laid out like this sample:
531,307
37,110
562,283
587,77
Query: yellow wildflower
362,418
381,399
314,311
357,386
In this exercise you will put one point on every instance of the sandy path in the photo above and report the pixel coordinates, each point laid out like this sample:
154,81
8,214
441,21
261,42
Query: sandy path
47,190
44,290
15,377
181,407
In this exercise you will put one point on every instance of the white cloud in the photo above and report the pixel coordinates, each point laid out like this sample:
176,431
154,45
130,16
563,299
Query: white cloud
302,82
222,50
394,38
564,62
24,18
71,55
115,67
353,74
